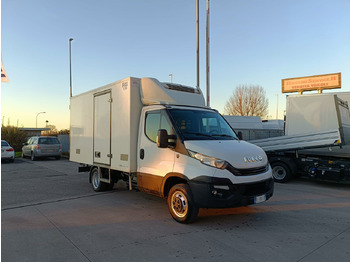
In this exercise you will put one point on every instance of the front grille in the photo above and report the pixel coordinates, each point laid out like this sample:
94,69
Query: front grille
255,189
247,171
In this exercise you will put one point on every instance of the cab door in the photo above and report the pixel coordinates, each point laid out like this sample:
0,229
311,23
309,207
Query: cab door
154,163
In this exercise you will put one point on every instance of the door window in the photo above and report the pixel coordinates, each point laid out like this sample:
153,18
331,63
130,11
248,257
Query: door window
154,121
152,125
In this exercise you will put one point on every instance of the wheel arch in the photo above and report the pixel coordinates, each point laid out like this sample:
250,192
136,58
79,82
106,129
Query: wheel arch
170,180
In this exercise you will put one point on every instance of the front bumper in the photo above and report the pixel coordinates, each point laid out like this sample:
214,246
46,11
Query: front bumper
221,193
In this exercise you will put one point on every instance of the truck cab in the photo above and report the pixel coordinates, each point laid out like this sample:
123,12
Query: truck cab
195,147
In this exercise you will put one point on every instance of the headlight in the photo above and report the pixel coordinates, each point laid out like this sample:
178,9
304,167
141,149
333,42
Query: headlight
208,160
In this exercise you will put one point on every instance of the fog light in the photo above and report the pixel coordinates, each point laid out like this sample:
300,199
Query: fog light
223,187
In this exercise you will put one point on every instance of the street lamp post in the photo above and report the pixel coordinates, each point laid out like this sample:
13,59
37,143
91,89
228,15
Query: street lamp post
277,107
70,75
70,65
36,124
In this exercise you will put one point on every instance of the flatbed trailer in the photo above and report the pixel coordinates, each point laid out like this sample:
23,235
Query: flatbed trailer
319,139
323,150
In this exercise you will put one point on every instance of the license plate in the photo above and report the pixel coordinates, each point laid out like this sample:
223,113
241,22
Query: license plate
259,199
2,150
48,151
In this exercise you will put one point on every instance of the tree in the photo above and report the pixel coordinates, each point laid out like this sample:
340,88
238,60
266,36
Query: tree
13,136
64,132
247,101
52,132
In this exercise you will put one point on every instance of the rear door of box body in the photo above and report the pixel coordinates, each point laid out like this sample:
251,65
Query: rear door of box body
102,128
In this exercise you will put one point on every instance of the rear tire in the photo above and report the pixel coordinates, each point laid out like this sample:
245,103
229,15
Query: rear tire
97,184
181,205
281,172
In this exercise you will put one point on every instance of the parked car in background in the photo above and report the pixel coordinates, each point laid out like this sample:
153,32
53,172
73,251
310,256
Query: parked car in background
7,152
42,146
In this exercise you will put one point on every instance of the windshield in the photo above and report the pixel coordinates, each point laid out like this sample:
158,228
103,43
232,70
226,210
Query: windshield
201,125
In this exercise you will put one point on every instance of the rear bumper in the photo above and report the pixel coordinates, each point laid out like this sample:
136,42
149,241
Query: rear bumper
7,155
39,153
224,194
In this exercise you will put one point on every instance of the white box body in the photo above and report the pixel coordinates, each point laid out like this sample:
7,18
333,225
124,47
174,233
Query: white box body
105,121
111,133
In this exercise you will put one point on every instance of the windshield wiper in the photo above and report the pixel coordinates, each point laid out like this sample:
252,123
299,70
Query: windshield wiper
198,134
224,135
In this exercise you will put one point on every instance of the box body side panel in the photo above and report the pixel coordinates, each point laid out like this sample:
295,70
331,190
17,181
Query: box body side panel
81,129
125,113
126,107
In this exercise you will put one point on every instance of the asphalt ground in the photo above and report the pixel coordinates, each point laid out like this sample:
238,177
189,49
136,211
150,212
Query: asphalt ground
50,213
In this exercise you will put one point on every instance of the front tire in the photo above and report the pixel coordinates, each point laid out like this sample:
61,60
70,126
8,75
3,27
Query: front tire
181,205
281,172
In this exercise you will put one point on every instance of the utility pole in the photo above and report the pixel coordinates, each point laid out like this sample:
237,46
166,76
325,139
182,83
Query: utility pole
207,57
197,20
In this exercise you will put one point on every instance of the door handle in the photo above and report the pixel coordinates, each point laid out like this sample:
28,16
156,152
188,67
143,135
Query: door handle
142,153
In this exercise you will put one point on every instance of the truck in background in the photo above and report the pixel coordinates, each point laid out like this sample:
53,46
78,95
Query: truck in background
316,140
161,139
253,128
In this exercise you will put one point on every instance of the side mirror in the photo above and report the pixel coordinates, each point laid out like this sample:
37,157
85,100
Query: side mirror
162,138
24,144
240,135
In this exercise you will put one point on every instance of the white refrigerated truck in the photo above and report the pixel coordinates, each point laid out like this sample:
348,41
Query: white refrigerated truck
160,138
